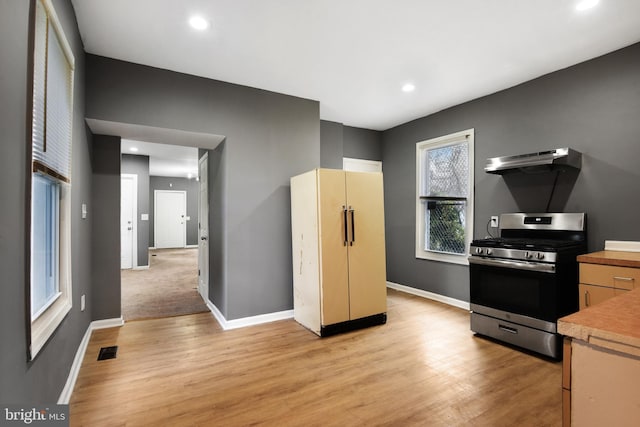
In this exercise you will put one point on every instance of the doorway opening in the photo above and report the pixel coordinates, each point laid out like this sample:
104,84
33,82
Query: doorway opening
163,279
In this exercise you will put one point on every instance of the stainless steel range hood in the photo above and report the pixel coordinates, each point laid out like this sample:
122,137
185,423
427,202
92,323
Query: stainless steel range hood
542,161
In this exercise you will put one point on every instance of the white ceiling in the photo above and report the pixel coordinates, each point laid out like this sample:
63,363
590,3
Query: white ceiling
353,56
164,159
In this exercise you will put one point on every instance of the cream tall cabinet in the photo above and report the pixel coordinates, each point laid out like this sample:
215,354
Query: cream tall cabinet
339,272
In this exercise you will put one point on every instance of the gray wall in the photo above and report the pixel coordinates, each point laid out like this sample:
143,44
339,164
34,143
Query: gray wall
176,184
105,241
362,143
331,144
592,107
269,138
43,379
139,165
338,141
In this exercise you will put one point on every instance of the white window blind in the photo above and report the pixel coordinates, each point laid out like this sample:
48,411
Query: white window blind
39,83
52,99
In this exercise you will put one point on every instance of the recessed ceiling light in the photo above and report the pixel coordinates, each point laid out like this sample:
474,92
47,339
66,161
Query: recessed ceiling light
408,87
198,22
134,149
586,4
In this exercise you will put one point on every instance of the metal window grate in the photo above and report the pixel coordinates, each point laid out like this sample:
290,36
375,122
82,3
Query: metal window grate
445,226
447,171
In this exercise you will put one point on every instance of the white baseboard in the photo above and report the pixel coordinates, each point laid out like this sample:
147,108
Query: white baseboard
65,395
247,321
191,246
107,323
429,295
141,267
216,313
151,248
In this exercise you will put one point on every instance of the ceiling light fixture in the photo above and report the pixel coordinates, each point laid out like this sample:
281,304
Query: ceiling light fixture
586,4
408,87
134,149
198,23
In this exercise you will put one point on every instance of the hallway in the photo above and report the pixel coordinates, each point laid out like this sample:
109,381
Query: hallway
168,288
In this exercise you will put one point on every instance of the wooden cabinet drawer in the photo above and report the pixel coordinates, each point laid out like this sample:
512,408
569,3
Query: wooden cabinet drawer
609,275
617,292
591,295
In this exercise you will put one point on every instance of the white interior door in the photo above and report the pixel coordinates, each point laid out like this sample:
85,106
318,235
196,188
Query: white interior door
128,203
170,211
203,228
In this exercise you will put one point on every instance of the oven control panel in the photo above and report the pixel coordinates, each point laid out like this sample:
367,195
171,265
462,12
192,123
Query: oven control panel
509,253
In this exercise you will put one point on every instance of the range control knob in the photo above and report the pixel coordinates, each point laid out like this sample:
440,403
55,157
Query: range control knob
479,251
528,255
540,255
488,251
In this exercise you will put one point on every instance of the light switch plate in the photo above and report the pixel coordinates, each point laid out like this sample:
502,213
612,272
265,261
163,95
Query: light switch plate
144,217
84,211
494,221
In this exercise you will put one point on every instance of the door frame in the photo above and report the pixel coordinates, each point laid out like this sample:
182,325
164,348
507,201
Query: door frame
155,216
134,225
203,285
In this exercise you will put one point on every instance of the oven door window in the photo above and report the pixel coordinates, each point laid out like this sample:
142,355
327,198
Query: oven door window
528,293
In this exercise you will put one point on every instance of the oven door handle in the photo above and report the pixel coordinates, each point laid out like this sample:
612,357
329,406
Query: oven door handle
520,265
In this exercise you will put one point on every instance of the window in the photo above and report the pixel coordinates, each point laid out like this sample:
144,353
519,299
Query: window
45,257
51,124
444,199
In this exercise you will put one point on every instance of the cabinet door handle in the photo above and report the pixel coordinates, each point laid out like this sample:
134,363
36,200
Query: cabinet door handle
624,279
587,299
346,227
353,226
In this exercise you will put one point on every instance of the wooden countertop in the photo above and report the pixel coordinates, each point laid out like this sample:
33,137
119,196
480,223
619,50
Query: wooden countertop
619,258
613,324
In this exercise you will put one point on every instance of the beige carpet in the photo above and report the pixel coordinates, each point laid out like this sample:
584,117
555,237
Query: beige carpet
168,288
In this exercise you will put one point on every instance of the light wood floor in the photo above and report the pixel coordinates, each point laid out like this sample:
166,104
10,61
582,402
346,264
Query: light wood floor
423,368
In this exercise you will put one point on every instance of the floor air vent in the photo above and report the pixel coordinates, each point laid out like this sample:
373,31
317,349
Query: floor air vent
108,353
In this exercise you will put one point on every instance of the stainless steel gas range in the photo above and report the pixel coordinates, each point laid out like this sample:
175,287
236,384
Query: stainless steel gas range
524,280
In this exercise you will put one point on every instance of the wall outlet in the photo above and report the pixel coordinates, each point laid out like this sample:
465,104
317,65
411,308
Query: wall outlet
494,221
82,302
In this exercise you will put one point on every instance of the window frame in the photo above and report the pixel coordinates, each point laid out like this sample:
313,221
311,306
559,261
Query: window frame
42,325
421,147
